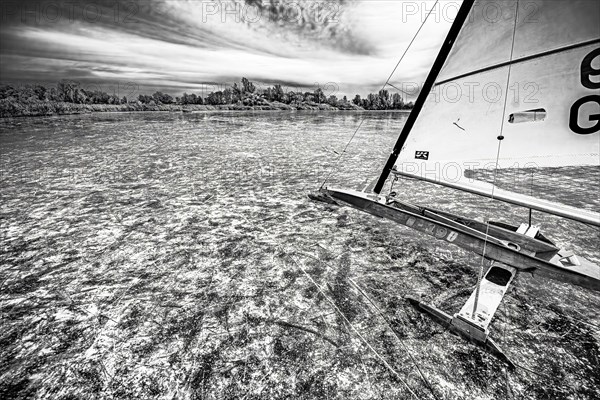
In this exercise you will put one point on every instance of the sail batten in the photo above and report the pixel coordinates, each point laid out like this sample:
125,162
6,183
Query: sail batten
519,60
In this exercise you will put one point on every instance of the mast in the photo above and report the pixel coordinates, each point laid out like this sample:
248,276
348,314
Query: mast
461,17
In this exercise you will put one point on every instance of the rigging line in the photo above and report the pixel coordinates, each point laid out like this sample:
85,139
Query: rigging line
397,88
410,44
387,82
385,363
500,138
361,292
487,229
506,375
342,153
555,382
387,321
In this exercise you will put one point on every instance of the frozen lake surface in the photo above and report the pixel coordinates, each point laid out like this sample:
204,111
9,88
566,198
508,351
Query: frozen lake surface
163,255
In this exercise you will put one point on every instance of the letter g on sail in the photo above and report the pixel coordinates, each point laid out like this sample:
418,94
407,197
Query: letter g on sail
587,102
575,111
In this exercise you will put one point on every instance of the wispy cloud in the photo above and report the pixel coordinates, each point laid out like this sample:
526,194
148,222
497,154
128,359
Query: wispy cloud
189,45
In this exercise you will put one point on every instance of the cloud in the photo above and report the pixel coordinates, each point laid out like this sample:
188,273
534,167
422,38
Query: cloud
189,45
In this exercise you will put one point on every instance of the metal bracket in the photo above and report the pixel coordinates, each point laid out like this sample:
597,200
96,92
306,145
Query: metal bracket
473,326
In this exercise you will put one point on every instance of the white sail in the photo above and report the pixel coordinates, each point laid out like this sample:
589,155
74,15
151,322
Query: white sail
552,114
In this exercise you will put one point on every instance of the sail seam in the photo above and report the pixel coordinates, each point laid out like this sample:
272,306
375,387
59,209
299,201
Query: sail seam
519,60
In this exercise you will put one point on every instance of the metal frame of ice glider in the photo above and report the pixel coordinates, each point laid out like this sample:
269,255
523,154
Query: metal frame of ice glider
512,249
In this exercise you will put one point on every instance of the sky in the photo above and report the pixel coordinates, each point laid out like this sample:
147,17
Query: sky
129,47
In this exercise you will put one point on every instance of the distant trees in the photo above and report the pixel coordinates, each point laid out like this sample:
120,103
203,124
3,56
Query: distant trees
236,92
69,92
145,99
162,98
278,94
397,102
244,94
228,96
320,96
40,92
215,98
65,91
157,98
385,101
248,87
191,99
295,98
26,93
382,101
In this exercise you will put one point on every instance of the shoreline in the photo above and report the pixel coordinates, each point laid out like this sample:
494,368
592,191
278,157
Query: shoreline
48,109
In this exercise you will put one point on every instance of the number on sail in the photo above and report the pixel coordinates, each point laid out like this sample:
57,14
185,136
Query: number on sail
587,109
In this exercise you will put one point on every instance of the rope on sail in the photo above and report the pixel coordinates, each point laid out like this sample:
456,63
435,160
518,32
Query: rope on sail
387,82
500,138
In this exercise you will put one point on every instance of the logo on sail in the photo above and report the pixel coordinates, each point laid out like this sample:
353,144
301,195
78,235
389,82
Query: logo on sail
422,155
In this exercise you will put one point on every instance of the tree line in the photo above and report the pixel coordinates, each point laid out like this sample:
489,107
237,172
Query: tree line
244,93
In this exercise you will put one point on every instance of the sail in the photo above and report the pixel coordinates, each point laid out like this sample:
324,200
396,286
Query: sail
533,79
